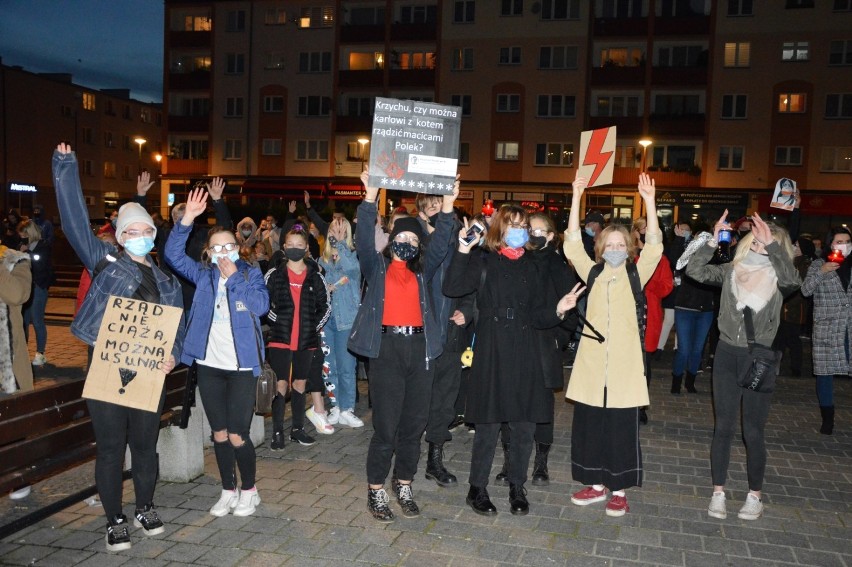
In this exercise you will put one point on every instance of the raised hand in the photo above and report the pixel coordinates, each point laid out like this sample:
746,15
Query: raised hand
569,301
647,187
216,188
466,248
63,148
578,187
143,183
372,192
292,207
721,224
760,230
307,200
449,200
196,203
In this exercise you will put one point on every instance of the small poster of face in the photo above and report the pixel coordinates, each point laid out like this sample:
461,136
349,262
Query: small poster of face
786,195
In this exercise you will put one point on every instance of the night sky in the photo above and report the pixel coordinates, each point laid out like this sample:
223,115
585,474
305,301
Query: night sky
102,43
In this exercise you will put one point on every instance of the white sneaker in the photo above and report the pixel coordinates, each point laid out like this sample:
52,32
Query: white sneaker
333,415
227,502
320,422
717,508
39,359
249,499
21,493
349,419
752,509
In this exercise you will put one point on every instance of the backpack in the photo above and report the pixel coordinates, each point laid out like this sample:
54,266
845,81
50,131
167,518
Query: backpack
638,296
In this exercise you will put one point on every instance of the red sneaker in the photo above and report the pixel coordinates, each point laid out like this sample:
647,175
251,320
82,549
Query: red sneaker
588,496
617,506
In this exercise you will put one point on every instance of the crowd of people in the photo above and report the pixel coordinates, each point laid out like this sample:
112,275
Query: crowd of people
457,320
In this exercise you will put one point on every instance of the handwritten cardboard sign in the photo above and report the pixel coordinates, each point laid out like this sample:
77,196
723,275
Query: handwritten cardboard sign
786,195
414,146
597,155
134,341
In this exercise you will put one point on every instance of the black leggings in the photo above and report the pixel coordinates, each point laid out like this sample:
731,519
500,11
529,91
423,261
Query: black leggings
297,364
228,397
115,426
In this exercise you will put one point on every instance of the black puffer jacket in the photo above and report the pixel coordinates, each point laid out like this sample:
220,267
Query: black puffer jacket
314,310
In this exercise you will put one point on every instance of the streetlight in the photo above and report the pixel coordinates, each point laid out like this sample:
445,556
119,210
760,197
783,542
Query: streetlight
362,145
141,141
644,142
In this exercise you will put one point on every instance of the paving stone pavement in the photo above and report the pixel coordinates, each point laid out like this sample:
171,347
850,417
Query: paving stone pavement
314,504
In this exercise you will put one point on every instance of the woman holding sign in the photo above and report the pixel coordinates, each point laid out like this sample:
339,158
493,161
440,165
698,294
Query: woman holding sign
224,338
132,274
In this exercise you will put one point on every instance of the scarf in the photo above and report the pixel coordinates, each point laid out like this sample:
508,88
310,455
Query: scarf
8,385
753,281
511,253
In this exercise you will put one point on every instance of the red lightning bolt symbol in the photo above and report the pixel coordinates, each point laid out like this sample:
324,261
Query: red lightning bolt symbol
594,156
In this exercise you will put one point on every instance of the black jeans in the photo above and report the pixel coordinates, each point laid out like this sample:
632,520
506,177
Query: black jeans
445,390
228,397
401,389
115,426
730,364
789,337
484,443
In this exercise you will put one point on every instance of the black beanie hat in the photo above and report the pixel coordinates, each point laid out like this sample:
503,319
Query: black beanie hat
407,224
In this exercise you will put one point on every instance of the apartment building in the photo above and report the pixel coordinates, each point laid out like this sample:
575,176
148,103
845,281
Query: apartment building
278,96
114,137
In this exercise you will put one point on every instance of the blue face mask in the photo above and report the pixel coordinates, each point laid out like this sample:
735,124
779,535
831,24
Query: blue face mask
139,246
590,232
517,237
233,256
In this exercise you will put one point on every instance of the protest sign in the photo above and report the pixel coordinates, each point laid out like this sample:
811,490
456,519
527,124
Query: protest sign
134,341
414,146
597,151
786,195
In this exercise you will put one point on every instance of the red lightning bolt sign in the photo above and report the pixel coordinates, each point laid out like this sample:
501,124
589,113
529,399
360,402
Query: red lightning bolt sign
594,156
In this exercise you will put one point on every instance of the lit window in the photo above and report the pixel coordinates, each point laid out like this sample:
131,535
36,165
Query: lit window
233,149
622,57
312,150
737,54
88,101
507,151
734,106
272,146
554,154
197,23
838,105
317,17
508,103
791,102
731,157
795,51
788,155
837,159
109,170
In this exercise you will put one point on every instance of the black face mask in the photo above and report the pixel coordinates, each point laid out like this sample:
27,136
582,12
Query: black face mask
37,215
433,219
743,233
642,238
404,250
538,242
295,254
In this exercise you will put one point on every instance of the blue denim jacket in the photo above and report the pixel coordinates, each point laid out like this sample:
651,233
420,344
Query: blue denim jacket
248,300
121,277
346,297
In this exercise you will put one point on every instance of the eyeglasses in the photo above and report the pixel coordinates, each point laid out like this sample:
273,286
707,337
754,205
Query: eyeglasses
539,232
149,232
519,225
217,248
405,238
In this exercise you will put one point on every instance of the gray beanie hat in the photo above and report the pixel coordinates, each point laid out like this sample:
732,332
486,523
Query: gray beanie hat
130,213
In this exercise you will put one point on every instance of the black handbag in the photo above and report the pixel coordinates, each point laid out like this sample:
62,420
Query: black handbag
266,387
763,373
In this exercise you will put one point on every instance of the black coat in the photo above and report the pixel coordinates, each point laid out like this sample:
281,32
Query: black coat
507,382
314,306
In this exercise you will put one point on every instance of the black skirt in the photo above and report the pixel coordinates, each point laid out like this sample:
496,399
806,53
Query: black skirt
605,447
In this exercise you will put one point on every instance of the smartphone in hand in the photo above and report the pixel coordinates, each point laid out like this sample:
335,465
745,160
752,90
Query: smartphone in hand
472,233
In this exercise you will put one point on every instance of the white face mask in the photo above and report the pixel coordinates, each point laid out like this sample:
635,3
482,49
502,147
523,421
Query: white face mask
844,248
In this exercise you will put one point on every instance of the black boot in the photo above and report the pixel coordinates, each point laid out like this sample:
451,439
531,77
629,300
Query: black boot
690,383
477,498
502,478
518,500
676,381
435,469
540,476
827,413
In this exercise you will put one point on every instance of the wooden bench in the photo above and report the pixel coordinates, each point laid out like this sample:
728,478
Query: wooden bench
49,430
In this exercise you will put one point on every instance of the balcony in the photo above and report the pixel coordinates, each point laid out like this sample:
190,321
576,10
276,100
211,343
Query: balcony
679,76
362,34
189,123
692,25
357,124
620,27
185,166
612,75
372,78
195,81
677,125
629,175
414,32
412,78
178,39
627,125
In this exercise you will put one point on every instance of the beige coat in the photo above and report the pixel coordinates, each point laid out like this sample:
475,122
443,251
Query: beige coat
15,288
617,363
